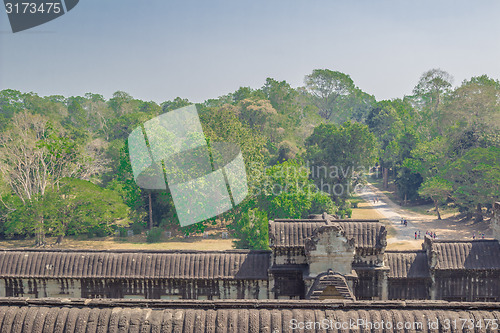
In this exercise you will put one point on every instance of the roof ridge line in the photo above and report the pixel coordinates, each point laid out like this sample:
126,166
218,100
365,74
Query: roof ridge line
64,250
235,304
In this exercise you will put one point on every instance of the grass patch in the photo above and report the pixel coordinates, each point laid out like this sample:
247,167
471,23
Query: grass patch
365,211
136,242
391,231
355,201
405,245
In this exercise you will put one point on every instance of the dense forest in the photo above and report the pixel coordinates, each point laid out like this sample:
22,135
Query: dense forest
65,169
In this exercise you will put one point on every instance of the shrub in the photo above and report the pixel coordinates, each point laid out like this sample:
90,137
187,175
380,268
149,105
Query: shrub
154,235
345,213
123,232
251,230
137,227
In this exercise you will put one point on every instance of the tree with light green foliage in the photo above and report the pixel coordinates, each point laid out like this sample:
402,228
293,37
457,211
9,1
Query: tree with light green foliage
472,116
251,230
475,178
437,189
287,192
327,87
431,87
75,207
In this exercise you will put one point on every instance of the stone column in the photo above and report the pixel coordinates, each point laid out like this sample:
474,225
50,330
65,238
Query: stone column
384,285
495,221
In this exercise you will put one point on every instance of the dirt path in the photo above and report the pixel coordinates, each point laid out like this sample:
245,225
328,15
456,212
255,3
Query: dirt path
447,228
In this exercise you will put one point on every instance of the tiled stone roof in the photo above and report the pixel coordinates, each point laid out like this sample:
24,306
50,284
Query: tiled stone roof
292,233
407,264
53,315
471,255
238,264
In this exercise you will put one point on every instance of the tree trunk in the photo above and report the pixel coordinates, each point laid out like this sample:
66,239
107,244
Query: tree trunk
150,212
59,239
479,213
40,234
437,209
385,175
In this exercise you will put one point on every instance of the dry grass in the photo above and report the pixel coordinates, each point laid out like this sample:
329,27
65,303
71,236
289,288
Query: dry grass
405,245
366,211
133,243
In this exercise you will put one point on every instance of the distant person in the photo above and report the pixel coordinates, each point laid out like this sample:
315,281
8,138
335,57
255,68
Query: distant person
415,235
482,235
419,234
474,236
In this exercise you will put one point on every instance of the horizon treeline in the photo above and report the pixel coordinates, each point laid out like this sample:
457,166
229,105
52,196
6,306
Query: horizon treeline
65,170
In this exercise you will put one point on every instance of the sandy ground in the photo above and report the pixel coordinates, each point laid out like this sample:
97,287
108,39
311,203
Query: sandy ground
401,237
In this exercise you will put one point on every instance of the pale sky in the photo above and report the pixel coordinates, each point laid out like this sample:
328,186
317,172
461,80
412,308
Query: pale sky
160,49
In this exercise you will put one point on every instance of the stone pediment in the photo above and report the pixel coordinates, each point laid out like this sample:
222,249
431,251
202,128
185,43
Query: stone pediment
329,248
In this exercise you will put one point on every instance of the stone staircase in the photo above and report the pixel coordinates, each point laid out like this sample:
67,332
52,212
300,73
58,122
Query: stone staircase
330,285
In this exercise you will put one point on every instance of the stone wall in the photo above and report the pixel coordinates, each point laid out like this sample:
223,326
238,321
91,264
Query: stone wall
467,286
288,256
38,288
135,288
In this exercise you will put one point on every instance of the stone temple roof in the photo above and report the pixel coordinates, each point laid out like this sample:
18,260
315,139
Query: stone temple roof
232,264
407,264
293,233
241,316
482,254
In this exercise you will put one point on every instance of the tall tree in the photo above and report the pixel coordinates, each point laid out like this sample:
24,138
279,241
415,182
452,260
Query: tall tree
121,102
475,178
384,121
338,154
433,84
287,192
75,207
473,114
98,113
327,86
34,155
283,98
438,189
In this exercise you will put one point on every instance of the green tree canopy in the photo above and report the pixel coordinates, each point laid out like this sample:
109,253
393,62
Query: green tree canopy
338,154
327,86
